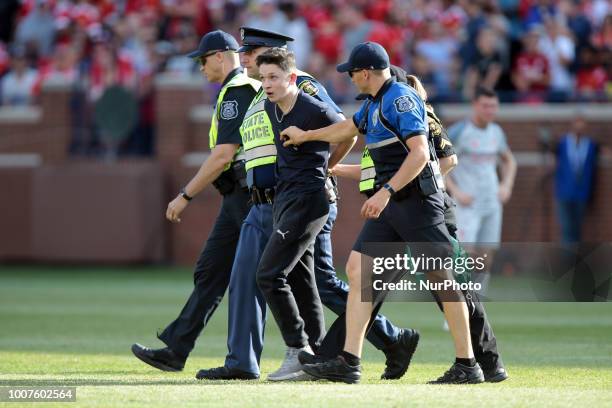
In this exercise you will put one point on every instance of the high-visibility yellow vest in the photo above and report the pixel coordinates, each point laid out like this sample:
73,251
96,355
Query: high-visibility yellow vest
240,79
257,134
368,172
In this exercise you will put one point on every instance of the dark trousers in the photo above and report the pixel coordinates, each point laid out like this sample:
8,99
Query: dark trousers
334,292
211,275
285,273
571,216
484,343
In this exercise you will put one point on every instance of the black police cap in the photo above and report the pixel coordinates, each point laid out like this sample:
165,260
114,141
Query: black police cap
215,41
254,38
368,55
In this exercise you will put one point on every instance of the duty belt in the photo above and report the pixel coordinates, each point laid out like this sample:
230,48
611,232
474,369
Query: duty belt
403,193
262,196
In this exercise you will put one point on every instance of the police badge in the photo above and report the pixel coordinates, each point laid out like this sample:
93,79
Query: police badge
403,104
229,110
309,88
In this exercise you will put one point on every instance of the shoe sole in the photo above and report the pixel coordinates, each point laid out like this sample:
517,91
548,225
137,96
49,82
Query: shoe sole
295,376
468,381
333,378
154,363
414,342
226,378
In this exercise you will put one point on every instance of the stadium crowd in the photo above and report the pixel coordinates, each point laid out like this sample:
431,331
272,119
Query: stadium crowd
527,50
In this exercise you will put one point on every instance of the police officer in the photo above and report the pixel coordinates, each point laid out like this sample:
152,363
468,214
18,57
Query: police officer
407,208
247,310
483,339
224,169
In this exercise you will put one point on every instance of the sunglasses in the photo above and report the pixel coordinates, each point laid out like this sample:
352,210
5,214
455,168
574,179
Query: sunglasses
202,58
353,71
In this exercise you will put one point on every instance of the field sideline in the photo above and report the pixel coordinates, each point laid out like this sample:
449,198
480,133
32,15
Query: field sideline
74,326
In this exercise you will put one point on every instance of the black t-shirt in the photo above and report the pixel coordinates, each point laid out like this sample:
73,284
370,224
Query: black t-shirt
231,112
301,169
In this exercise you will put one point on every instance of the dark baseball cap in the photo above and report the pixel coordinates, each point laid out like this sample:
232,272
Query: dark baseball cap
215,41
367,55
254,38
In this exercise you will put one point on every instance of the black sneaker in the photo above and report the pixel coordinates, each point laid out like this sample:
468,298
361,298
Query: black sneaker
224,373
336,369
497,374
305,357
399,354
163,359
461,374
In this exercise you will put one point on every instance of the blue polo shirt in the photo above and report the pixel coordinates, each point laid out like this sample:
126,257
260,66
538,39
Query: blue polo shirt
402,108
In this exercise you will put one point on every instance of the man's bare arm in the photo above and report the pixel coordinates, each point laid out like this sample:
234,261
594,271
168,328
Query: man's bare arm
448,163
507,172
351,171
212,167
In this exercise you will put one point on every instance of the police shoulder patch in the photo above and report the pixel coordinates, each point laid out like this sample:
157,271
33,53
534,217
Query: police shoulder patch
403,104
310,88
229,110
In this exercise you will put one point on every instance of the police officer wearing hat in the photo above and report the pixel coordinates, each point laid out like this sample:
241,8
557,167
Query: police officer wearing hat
247,312
408,207
224,169
483,338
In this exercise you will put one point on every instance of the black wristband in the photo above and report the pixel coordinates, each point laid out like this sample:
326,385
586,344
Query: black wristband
389,188
185,195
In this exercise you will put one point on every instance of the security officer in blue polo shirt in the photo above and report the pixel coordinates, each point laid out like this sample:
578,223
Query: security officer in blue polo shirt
409,207
247,312
225,170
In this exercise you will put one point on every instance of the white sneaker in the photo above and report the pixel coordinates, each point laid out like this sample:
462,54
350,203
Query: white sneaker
291,369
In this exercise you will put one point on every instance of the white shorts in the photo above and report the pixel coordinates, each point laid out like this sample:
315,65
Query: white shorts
475,225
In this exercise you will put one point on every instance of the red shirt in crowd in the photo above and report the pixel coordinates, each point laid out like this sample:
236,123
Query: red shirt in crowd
534,68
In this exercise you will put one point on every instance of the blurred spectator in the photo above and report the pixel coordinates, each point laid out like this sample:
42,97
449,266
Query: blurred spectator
577,22
182,44
354,26
559,49
538,12
267,17
531,73
109,67
592,77
8,12
486,68
420,67
17,87
328,42
37,29
297,28
62,66
439,49
574,179
4,59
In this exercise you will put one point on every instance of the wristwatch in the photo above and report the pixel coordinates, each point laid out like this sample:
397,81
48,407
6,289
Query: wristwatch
389,188
185,195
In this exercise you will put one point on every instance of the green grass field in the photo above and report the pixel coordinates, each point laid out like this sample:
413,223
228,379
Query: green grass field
74,327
